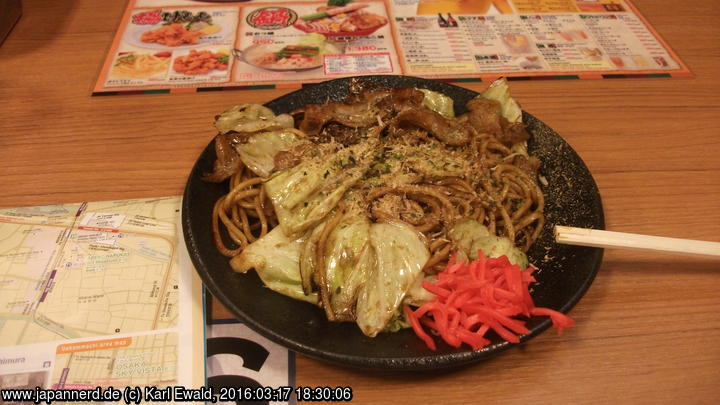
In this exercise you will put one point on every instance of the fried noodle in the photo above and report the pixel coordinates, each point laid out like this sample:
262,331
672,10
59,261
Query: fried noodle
496,188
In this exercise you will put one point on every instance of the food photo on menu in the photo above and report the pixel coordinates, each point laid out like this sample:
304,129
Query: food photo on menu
140,65
306,53
201,62
179,28
341,21
312,41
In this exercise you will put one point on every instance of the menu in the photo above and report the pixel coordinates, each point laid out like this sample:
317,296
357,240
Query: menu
187,45
94,296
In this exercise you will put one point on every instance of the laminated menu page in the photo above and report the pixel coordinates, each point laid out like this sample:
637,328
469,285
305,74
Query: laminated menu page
238,357
98,296
187,45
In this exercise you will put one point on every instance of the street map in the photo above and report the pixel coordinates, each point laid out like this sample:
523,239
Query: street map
98,294
71,271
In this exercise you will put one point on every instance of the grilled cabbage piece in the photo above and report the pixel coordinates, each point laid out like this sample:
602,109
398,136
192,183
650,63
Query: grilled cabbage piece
417,295
400,256
348,261
308,259
276,259
258,152
470,236
500,92
439,103
305,194
250,118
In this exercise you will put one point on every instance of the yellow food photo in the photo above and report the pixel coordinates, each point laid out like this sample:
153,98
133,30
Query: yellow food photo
140,65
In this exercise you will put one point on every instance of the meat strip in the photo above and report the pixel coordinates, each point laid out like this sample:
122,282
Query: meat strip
512,133
484,115
440,127
370,106
285,159
227,160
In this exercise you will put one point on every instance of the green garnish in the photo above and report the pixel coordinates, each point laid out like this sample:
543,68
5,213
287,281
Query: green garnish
302,50
128,59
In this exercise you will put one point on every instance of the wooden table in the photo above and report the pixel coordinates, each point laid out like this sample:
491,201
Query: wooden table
648,330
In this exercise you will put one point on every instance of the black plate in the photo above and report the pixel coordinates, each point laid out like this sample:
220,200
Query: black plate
566,271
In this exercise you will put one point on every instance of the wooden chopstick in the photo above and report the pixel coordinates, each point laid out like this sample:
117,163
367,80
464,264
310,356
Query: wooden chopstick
608,239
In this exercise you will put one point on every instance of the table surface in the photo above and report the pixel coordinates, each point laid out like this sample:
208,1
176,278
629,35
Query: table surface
648,330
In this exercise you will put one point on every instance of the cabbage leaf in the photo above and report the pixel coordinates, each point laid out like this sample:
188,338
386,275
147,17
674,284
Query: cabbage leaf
308,258
471,236
500,92
417,295
258,152
439,103
303,195
251,118
349,259
400,253
276,259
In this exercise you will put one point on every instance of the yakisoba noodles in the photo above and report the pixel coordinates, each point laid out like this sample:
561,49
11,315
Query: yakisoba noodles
140,65
245,212
386,156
